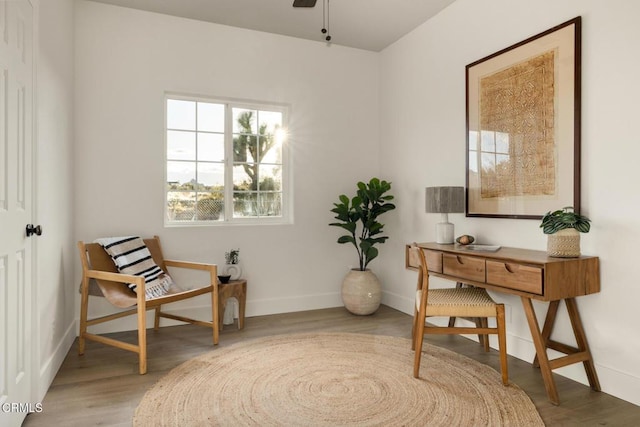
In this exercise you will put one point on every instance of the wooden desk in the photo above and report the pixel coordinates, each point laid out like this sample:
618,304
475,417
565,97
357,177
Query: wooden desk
530,275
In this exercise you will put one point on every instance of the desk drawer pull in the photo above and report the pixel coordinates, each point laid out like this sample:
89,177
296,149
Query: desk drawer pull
459,260
508,268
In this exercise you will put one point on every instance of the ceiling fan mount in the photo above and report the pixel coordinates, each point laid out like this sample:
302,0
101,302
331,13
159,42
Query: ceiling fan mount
325,14
304,3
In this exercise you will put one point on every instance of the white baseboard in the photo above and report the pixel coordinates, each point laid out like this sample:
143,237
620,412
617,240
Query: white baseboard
619,384
265,307
49,368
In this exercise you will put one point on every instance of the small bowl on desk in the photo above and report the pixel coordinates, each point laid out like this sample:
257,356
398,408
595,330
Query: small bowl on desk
224,278
465,239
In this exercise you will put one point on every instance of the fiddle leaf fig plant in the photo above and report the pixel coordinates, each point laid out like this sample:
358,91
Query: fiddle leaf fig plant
358,216
564,218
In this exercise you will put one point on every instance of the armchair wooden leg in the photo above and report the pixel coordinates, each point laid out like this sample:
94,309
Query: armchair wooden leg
142,351
83,316
156,320
142,334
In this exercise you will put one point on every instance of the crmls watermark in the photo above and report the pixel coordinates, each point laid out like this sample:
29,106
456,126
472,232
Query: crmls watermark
21,407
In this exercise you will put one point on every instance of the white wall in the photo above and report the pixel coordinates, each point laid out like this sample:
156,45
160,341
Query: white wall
126,60
55,286
422,137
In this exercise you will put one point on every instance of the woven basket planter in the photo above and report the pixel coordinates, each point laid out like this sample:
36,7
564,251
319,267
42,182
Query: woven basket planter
564,243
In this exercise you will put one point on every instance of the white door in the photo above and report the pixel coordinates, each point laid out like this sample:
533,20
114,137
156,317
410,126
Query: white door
16,209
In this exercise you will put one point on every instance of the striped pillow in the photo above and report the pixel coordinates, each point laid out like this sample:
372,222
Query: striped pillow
132,256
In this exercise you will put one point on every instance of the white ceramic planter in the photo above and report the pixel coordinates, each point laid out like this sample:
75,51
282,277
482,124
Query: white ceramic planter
361,292
233,270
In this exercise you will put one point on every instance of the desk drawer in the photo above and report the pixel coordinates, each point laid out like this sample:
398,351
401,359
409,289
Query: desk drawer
465,267
434,260
515,276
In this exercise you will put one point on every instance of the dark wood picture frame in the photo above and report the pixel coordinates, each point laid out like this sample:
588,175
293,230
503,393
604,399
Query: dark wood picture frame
523,127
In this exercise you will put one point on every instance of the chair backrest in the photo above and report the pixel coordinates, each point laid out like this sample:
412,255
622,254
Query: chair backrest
154,247
417,256
94,257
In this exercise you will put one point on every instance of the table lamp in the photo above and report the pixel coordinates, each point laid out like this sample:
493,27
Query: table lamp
444,200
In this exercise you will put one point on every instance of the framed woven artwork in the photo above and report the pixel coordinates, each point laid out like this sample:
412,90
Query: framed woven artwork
523,127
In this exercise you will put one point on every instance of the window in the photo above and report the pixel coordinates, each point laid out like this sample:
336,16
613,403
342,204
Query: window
226,162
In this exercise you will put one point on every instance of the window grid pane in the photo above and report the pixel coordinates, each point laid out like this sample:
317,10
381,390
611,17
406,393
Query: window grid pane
257,204
210,117
211,146
181,206
181,145
181,114
210,206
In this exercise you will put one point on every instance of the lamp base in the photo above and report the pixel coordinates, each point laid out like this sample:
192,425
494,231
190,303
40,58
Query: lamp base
444,233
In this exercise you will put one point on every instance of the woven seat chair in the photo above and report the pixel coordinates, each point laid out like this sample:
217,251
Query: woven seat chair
454,302
100,277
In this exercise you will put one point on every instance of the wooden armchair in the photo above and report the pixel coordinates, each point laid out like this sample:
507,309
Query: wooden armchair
100,277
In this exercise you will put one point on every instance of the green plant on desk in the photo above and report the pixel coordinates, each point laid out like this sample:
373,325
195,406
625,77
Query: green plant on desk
564,218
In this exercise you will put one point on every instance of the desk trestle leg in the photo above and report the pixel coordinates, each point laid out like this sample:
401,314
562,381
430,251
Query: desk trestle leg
542,341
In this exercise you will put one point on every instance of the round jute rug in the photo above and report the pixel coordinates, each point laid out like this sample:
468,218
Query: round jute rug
333,379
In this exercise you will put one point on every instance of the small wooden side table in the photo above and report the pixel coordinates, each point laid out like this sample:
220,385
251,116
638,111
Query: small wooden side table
237,289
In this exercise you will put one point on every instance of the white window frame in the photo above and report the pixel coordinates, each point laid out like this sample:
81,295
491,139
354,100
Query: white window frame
287,194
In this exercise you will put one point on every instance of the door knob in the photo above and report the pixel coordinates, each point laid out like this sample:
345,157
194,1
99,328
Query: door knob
31,230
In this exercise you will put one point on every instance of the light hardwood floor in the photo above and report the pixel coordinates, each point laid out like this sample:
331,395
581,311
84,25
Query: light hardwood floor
103,386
